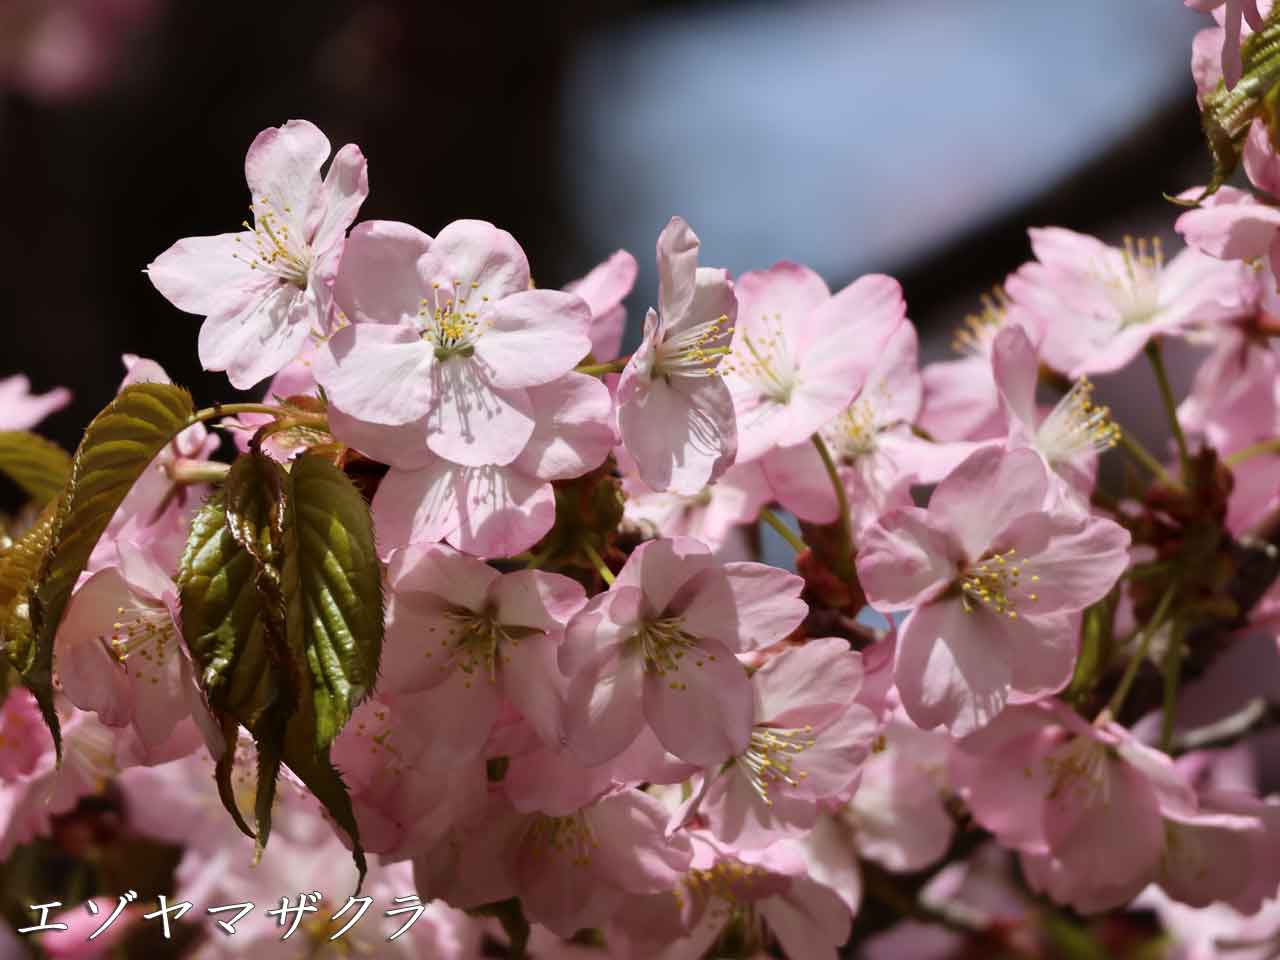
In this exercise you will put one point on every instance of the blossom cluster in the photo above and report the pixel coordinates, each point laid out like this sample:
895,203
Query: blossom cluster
561,703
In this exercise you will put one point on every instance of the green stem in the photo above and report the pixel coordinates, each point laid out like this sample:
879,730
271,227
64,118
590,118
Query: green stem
1140,653
598,561
1139,453
231,409
785,532
1253,450
843,568
1170,406
1172,676
600,369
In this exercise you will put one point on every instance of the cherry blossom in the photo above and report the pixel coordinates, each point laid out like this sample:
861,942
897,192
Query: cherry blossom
674,409
264,290
445,339
991,591
20,409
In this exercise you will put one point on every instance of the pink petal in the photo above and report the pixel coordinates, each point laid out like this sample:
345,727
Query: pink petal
634,852
660,568
473,423
207,275
1232,225
701,708
607,621
681,439
572,431
418,505
905,558
766,607
91,677
1066,563
1016,368
379,373
811,684
477,258
677,268
872,309
402,446
810,921
345,188
533,337
951,670
604,289
603,712
283,167
799,482
532,681
502,512
1006,484
378,281
1042,654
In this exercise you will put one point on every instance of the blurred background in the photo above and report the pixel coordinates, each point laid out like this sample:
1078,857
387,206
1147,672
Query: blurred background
918,139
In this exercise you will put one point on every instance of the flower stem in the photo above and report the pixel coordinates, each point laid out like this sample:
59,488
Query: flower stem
231,409
1172,676
600,369
1170,407
1139,453
1140,653
1271,445
598,562
843,568
785,532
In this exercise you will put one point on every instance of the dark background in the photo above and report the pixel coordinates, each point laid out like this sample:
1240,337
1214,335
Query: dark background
919,139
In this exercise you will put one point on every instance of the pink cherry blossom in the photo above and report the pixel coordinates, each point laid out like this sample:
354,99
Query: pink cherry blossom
878,455
1100,305
805,917
1094,812
475,637
657,649
710,515
489,511
20,409
1069,438
800,354
674,410
604,289
30,801
119,653
991,591
23,741
264,290
809,738
446,337
571,871
410,781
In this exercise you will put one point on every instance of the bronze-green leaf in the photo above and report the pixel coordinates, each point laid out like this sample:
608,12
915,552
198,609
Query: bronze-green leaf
117,447
332,584
39,466
19,566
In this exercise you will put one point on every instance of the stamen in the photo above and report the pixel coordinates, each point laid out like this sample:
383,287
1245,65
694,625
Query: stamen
1076,425
276,251
974,338
1134,288
770,756
693,352
993,582
767,363
663,644
141,640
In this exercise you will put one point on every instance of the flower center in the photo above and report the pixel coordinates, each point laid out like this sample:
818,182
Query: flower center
853,434
1135,289
994,582
450,325
475,645
766,362
141,640
770,757
979,330
570,836
1080,766
663,644
276,249
1076,425
693,352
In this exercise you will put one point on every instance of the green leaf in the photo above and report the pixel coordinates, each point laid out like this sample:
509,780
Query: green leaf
254,496
19,567
332,584
117,447
222,618
38,466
